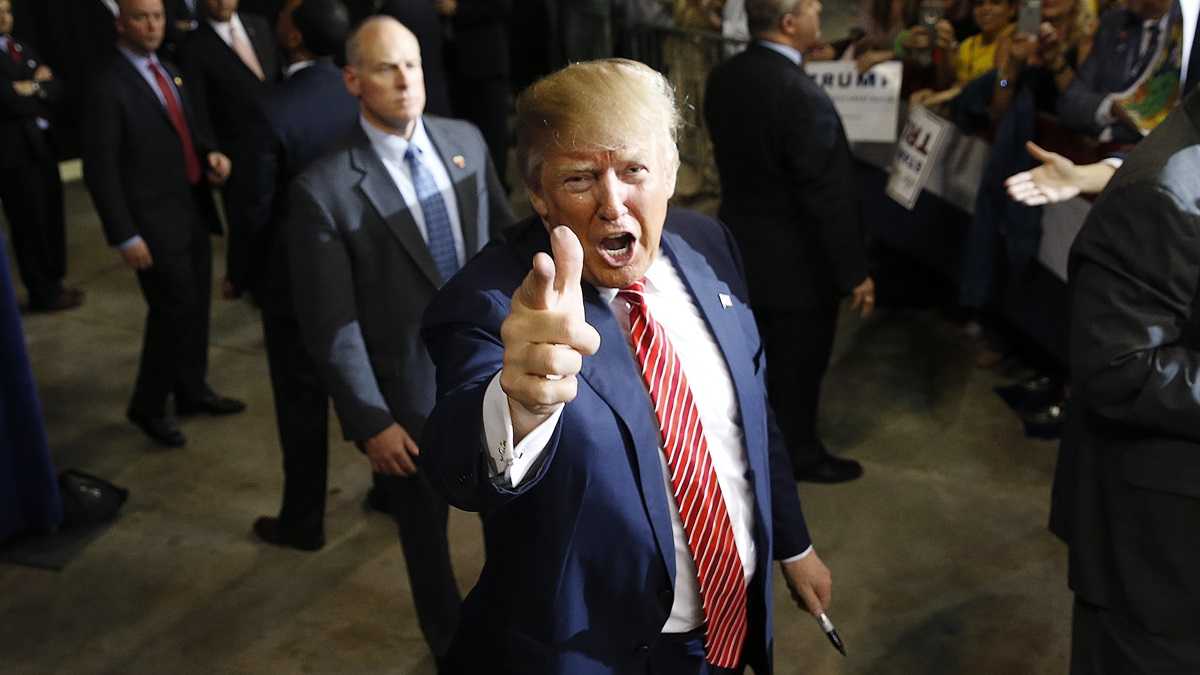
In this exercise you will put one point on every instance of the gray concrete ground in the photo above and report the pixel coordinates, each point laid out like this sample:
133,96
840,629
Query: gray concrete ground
941,559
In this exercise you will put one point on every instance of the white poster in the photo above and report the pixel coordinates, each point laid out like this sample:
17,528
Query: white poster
868,103
917,151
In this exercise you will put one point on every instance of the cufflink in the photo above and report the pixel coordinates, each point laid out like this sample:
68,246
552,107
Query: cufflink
178,81
726,301
459,161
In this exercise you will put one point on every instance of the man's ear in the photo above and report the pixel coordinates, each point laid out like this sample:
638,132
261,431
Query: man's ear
539,203
350,78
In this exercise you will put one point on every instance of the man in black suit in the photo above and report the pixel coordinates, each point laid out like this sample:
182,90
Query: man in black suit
145,163
787,194
480,62
420,17
231,61
30,187
1127,485
374,229
305,115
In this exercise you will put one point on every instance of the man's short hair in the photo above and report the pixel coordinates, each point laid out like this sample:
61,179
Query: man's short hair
323,25
606,104
764,15
354,42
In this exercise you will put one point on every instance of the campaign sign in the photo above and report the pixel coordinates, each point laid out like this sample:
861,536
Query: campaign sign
868,103
916,153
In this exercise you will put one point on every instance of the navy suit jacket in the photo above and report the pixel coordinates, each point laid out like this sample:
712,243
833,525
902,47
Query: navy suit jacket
580,567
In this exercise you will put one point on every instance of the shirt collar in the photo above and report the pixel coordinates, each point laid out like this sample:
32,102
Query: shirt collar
392,147
139,61
297,67
788,51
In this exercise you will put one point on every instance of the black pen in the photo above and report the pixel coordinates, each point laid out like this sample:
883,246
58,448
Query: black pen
831,633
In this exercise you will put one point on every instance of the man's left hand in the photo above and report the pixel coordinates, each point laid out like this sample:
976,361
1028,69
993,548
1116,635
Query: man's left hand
810,582
43,74
218,168
863,297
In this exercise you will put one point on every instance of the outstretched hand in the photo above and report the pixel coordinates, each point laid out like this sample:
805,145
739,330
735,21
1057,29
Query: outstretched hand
1057,179
546,335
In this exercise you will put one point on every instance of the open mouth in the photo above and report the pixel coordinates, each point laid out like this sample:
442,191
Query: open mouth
618,249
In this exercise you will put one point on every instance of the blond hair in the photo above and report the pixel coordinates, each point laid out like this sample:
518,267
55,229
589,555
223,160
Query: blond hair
605,105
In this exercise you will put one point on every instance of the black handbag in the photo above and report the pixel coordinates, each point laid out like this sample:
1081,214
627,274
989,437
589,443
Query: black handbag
88,500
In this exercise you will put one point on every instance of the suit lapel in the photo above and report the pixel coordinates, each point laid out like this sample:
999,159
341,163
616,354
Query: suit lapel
613,375
262,49
379,189
463,179
130,73
706,291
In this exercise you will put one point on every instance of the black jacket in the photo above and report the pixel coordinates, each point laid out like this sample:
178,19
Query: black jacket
133,162
1127,485
787,181
304,116
21,142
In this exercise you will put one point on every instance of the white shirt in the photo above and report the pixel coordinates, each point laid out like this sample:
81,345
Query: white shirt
1188,12
391,149
296,67
789,51
671,305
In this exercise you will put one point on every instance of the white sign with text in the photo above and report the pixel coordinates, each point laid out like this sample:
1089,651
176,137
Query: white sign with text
916,153
868,103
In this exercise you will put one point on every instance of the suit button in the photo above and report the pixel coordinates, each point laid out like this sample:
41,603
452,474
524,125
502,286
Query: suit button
464,478
643,648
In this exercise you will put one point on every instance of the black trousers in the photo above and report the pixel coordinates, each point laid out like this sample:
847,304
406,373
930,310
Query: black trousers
33,205
421,515
798,346
302,418
178,291
1104,642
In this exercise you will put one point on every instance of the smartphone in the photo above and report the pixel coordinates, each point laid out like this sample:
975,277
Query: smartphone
931,12
1029,17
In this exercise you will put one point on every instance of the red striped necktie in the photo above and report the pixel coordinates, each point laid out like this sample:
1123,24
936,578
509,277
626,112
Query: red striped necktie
13,52
694,482
191,163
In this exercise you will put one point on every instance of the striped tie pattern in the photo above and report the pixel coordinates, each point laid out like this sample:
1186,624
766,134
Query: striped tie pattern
694,482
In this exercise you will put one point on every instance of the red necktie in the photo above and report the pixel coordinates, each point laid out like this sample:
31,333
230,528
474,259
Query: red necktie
175,112
13,52
694,482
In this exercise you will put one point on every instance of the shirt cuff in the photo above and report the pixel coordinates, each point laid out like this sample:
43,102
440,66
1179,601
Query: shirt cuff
1104,114
799,556
1114,162
132,241
507,459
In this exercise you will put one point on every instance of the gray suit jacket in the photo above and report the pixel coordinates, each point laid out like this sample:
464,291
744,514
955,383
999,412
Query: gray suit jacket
362,274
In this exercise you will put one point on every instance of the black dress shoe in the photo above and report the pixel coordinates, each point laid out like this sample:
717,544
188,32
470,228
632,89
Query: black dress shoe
161,429
211,404
1046,423
68,298
1031,394
269,530
828,469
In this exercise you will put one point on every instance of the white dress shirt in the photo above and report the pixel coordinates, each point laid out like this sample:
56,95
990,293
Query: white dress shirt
296,67
391,149
671,305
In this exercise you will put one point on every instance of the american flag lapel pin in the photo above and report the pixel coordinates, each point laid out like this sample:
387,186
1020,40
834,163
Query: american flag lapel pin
726,301
459,161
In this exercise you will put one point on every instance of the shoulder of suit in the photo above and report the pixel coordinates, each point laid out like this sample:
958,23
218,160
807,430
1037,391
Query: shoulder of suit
448,124
693,224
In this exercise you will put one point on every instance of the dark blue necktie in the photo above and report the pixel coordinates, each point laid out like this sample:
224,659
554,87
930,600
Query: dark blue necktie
437,219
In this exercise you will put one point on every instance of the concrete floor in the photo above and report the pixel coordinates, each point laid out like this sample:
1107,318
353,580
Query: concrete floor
941,559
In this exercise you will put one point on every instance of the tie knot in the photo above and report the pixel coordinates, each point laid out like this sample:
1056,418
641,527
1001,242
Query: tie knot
412,153
635,293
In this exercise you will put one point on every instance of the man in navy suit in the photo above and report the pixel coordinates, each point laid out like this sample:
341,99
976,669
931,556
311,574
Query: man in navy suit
305,116
589,400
